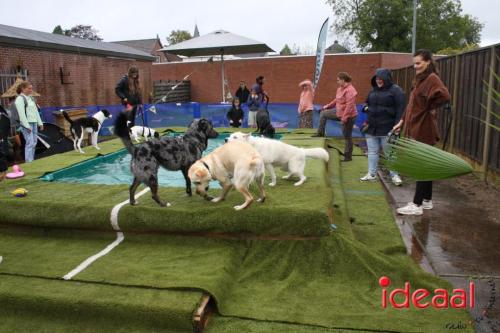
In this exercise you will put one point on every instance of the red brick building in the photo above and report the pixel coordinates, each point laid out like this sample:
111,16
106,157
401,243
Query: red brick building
282,74
75,72
68,71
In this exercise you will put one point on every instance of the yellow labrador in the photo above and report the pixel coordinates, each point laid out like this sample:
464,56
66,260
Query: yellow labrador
237,161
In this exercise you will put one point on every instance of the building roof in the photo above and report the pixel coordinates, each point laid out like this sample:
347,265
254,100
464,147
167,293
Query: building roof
145,45
27,38
336,48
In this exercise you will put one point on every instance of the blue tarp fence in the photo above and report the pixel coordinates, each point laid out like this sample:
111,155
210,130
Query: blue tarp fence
283,115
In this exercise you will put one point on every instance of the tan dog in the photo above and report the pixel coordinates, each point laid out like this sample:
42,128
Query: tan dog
237,161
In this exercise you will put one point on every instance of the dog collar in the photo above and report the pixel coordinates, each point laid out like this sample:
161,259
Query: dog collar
206,165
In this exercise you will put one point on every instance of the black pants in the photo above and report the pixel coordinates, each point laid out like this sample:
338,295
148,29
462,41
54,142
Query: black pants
423,191
347,132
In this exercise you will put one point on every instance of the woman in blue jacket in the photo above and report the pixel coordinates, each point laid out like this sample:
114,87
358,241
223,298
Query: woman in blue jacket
385,105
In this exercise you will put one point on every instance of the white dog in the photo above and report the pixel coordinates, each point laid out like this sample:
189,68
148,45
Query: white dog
280,154
141,131
236,163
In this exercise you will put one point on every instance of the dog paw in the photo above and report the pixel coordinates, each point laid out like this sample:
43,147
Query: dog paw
286,177
215,200
98,148
239,207
272,184
298,183
134,203
261,200
165,204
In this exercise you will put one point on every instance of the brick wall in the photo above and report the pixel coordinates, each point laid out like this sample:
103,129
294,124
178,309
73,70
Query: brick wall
93,78
283,74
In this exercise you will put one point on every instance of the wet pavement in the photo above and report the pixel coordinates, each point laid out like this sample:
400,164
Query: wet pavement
457,240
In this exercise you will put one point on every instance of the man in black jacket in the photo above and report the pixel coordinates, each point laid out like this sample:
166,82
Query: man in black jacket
385,106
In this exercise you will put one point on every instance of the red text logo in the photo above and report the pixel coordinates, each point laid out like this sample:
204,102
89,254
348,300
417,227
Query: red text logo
423,298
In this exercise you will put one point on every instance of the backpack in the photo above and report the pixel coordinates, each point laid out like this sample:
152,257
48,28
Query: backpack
14,114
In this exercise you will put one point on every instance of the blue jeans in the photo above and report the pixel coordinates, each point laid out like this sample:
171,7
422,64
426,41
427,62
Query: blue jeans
31,139
375,144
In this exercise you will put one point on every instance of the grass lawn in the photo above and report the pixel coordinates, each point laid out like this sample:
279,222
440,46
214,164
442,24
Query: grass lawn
153,281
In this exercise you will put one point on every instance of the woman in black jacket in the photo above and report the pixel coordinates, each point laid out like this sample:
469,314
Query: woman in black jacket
129,91
235,114
384,105
242,93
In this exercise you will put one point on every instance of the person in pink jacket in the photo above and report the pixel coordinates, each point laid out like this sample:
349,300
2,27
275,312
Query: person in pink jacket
345,111
306,104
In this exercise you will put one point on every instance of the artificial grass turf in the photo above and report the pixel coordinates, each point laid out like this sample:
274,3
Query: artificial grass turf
65,205
29,303
326,284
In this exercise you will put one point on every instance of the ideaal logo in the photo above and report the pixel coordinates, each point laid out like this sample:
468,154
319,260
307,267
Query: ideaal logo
440,299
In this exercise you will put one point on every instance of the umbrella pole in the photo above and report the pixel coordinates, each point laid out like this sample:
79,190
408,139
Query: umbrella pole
222,68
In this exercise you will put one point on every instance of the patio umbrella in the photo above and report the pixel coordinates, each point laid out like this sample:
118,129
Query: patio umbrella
215,43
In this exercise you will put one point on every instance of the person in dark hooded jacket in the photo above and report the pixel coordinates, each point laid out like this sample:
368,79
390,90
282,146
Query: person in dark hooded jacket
385,106
235,114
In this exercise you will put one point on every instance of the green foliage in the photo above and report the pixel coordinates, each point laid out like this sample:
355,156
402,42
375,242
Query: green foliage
58,30
177,36
79,31
286,50
452,51
421,161
386,25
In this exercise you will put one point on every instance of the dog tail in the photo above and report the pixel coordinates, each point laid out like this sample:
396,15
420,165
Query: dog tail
122,131
317,153
66,116
257,166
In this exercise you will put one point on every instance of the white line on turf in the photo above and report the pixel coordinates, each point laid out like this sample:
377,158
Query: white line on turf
119,238
1,259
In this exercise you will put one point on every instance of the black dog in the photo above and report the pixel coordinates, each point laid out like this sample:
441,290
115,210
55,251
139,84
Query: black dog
172,153
264,126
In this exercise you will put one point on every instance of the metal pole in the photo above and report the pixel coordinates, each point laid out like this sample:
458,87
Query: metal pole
487,129
222,66
414,32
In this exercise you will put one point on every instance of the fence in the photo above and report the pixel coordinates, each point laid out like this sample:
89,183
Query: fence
163,91
7,79
467,76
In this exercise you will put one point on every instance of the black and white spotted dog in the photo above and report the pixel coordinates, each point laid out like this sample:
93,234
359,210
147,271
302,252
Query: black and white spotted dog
91,125
172,153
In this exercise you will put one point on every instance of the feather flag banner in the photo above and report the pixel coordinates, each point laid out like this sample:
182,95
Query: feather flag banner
423,162
320,52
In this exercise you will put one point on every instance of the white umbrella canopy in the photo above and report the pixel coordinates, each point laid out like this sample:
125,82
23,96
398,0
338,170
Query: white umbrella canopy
215,43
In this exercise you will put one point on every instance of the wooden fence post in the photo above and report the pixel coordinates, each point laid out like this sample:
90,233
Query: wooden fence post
454,111
487,130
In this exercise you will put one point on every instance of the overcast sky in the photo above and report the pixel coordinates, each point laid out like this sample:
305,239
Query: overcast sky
270,21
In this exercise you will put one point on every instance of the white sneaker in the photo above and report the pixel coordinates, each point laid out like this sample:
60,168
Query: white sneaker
427,204
410,209
368,177
396,180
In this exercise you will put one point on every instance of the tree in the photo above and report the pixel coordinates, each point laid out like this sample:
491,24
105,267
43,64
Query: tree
58,30
386,25
177,36
84,32
286,50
